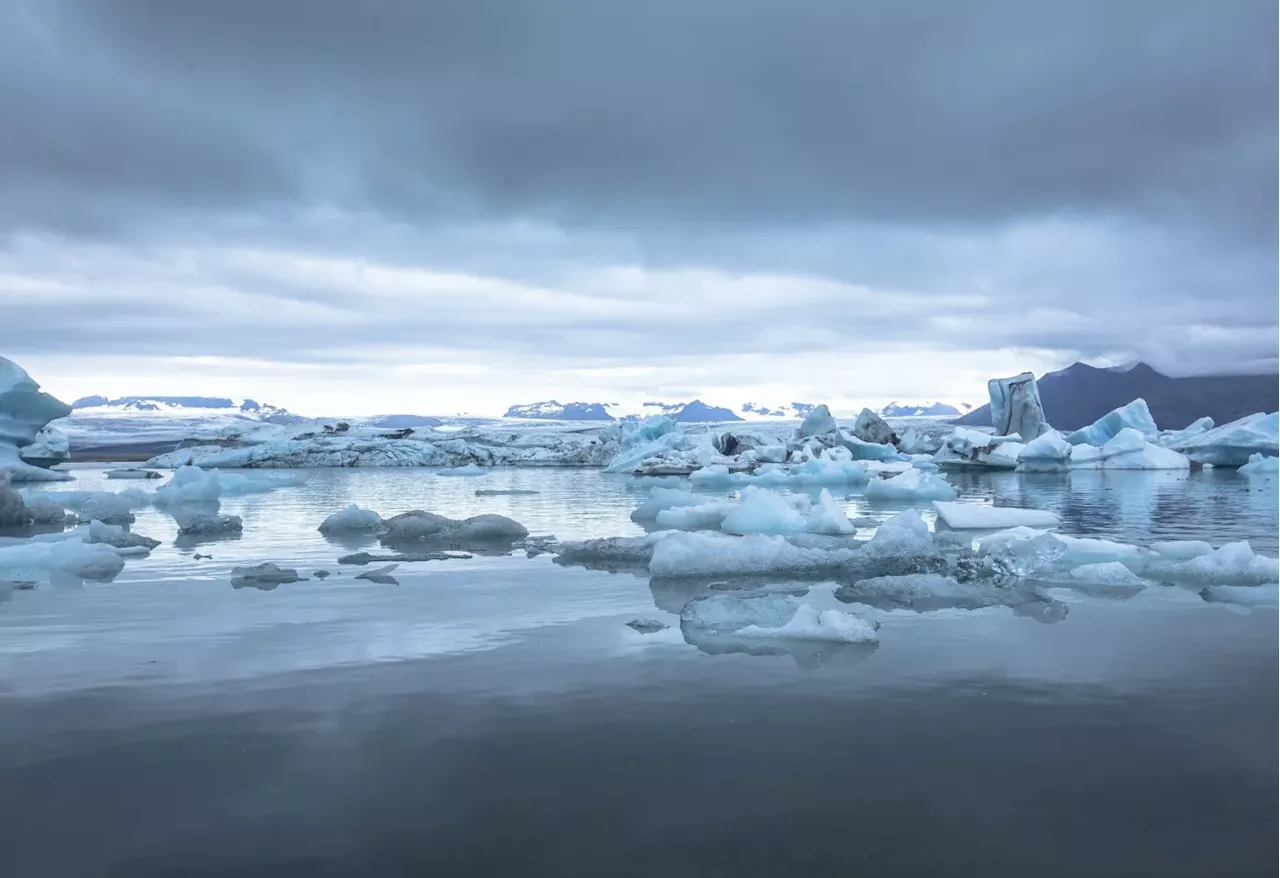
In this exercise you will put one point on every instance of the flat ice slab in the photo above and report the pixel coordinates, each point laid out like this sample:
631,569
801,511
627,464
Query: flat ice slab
970,516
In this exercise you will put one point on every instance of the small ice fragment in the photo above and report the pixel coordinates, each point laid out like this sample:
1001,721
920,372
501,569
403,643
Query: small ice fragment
192,523
1106,573
469,469
646,626
1261,465
264,576
133,473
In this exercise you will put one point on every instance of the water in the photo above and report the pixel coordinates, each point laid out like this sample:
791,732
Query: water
495,716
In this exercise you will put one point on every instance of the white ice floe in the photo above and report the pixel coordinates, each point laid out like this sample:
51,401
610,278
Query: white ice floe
970,516
469,469
37,560
1231,564
351,519
1016,406
106,506
192,484
912,485
713,554
123,541
1181,550
757,511
50,446
818,471
24,413
1260,465
772,617
1129,449
1235,443
1048,453
1133,416
662,498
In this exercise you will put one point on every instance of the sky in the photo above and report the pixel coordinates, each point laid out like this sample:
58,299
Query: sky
420,206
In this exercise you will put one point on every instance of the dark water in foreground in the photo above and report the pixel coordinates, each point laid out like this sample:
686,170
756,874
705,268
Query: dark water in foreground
497,717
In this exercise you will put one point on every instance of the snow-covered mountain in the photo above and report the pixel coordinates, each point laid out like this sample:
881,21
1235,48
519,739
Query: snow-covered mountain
924,410
178,405
552,410
792,411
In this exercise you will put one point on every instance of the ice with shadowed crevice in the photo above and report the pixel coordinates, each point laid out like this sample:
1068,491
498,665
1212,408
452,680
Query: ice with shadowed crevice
1133,416
35,561
123,541
1235,443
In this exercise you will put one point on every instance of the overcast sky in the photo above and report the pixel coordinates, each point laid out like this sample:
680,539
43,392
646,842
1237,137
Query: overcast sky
405,205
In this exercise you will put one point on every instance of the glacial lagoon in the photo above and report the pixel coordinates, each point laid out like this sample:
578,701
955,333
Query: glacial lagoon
497,715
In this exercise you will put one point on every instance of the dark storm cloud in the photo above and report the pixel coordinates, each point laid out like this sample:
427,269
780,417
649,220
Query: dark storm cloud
631,112
1089,178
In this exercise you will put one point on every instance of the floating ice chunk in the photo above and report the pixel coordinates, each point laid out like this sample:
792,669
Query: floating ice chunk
1232,564
416,525
509,492
964,448
713,554
1234,443
816,471
119,538
709,515
469,469
970,516
817,422
867,450
489,527
353,518
646,626
870,427
610,553
50,446
923,592
362,558
1266,595
264,576
1169,438
1260,465
810,623
1128,449
111,508
913,484
1181,550
189,484
828,517
1134,416
133,473
480,530
210,525
381,575
1105,573
43,509
1085,457
1089,550
660,499
37,560
1016,407
1047,453
914,441
761,511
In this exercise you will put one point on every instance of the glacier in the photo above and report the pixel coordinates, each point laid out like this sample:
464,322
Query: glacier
25,411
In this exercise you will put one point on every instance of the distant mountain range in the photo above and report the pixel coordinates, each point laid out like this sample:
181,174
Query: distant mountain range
923,410
1078,395
794,411
551,410
169,403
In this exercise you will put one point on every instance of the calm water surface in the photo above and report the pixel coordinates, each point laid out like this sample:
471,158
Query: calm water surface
496,717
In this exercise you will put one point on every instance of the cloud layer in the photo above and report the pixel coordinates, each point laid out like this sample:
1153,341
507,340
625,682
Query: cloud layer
580,191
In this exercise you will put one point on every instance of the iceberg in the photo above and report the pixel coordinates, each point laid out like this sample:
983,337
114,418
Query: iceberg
773,617
1232,564
612,554
870,427
24,412
828,517
761,511
912,485
351,519
1234,443
50,446
661,499
1129,449
757,511
970,516
1169,438
207,525
119,539
480,532
817,422
1016,407
1048,453
1260,465
1134,416
965,448
715,554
